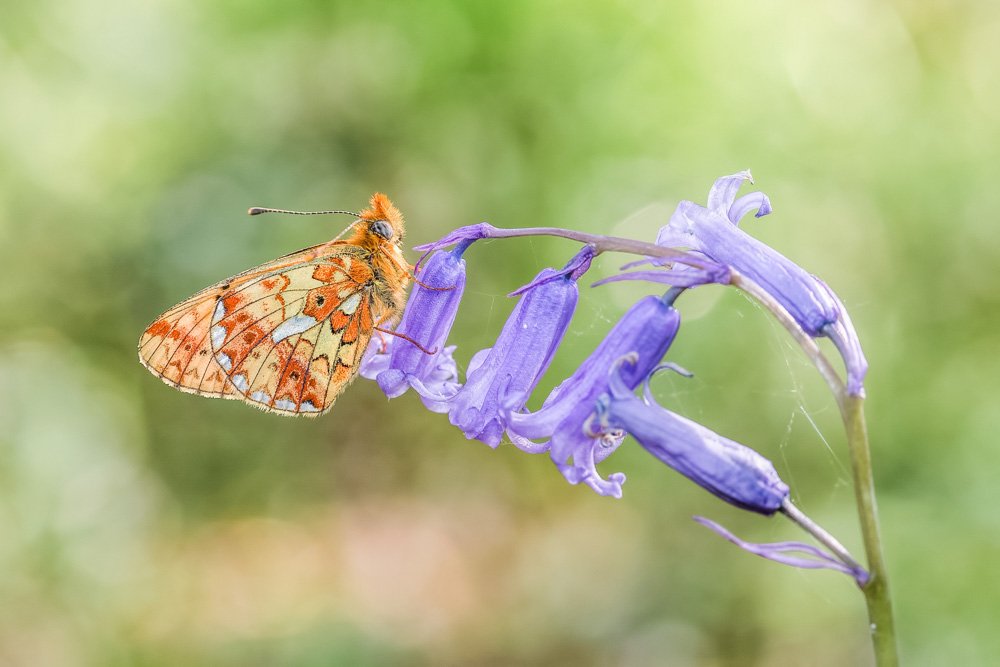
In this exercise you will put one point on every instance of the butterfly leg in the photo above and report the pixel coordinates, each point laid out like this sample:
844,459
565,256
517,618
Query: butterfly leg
382,340
436,289
408,339
381,331
411,269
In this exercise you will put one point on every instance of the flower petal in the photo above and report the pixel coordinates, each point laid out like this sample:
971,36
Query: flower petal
847,342
747,203
713,232
646,329
723,192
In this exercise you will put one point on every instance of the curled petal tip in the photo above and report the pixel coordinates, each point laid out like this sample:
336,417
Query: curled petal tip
647,390
765,208
723,192
392,382
747,203
671,366
610,487
742,175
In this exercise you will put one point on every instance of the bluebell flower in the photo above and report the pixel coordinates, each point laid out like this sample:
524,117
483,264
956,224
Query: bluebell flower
521,354
587,416
396,364
733,472
714,232
564,420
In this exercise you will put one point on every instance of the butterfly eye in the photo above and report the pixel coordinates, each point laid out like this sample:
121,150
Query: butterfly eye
381,228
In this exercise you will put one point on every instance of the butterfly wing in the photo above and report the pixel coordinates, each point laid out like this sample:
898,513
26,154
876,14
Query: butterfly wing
177,347
286,337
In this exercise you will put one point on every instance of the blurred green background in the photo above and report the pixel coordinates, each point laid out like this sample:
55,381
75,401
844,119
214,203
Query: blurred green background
140,525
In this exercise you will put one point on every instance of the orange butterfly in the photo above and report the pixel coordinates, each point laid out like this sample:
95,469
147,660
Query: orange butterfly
287,336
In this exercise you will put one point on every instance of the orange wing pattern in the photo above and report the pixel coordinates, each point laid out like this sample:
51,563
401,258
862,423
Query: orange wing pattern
286,341
176,348
286,336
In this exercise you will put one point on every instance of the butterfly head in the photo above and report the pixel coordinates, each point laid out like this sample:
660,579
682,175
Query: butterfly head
383,219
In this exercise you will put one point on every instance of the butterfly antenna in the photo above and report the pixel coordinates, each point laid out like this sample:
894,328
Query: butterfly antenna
257,210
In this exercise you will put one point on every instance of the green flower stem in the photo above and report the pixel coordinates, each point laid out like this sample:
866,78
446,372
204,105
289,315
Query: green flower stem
883,626
876,591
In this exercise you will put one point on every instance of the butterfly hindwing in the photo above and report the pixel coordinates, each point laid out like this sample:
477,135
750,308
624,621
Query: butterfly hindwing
176,347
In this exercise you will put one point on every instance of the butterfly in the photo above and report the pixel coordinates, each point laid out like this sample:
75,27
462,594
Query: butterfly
287,336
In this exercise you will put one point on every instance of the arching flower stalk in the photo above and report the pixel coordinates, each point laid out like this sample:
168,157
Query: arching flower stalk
588,415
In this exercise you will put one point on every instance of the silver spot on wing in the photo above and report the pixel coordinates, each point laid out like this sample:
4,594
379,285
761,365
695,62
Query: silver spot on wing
218,335
350,304
240,382
220,312
292,326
